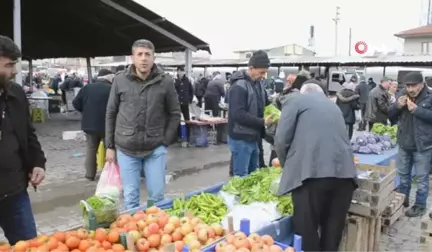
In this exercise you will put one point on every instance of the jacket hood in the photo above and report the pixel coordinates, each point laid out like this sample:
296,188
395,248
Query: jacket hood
240,75
347,95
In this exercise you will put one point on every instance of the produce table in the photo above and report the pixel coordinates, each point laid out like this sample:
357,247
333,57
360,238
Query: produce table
382,159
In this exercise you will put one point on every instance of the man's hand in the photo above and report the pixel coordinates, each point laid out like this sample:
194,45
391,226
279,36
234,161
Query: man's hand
402,101
411,105
37,176
110,156
268,120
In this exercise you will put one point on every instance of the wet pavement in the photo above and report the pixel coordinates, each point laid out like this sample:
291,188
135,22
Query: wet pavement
56,203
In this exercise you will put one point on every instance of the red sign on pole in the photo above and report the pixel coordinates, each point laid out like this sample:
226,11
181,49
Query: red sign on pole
361,47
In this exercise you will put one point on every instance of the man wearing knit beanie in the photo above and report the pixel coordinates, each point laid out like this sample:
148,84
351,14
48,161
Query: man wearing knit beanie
413,111
246,100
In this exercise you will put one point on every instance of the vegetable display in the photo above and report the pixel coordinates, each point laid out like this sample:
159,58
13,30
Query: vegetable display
369,143
381,130
256,188
272,110
104,208
210,208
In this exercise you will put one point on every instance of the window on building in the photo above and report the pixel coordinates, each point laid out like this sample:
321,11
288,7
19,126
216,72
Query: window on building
425,48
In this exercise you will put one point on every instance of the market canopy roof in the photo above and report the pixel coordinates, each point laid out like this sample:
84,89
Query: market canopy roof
91,28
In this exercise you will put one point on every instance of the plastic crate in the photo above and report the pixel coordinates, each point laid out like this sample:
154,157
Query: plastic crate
91,220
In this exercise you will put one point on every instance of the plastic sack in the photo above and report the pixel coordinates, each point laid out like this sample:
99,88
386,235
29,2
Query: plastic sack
104,215
109,182
259,214
229,199
274,187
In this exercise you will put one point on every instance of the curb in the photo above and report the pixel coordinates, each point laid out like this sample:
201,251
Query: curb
54,195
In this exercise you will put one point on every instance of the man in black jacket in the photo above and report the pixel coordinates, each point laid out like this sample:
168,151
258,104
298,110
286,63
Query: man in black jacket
185,94
362,89
92,101
247,99
21,155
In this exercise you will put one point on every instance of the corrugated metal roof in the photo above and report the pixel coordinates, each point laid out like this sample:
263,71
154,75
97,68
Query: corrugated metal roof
324,61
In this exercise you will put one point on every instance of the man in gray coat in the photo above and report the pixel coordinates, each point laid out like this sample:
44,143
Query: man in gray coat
318,166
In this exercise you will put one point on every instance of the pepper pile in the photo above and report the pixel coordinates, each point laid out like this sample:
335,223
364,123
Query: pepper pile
256,188
210,208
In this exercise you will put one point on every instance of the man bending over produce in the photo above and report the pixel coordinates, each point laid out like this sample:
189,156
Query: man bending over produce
247,99
413,111
142,116
318,166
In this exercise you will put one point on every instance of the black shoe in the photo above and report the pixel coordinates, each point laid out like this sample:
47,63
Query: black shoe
406,202
416,211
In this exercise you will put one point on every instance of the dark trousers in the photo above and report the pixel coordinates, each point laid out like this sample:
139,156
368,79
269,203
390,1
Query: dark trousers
261,162
321,204
199,98
16,218
231,173
212,103
93,141
184,108
362,124
350,130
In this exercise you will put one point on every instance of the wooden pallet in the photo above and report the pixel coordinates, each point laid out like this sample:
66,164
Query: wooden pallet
425,242
361,234
371,211
395,204
387,222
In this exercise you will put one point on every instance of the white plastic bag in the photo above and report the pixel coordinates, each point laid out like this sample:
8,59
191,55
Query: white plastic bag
259,214
229,199
274,187
109,182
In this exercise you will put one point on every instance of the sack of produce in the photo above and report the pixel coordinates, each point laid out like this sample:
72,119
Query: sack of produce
274,187
109,182
99,211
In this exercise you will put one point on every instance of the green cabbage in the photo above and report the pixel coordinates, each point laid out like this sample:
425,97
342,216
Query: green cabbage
273,111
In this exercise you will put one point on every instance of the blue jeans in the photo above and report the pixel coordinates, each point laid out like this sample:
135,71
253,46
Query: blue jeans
16,218
130,172
421,161
245,156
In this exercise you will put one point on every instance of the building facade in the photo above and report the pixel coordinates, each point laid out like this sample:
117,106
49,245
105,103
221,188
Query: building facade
417,41
280,51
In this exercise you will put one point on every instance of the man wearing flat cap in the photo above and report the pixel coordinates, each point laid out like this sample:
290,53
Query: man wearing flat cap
246,100
378,103
413,111
92,101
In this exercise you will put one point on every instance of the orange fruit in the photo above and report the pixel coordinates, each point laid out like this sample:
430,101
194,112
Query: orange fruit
118,248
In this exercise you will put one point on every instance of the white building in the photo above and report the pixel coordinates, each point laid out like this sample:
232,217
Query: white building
280,51
417,41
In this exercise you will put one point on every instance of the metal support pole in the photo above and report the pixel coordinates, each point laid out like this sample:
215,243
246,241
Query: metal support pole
336,20
89,70
17,38
30,74
350,42
188,63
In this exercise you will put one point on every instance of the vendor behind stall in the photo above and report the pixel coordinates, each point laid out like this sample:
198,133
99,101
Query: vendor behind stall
318,166
214,92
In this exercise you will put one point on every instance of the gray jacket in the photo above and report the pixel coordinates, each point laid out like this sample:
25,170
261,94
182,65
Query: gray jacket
311,141
141,115
377,106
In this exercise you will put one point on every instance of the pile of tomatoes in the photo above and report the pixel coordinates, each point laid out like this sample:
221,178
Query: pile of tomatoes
81,240
240,242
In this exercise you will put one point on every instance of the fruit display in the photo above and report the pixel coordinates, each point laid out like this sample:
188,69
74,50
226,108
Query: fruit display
239,241
210,208
81,240
153,229
256,188
381,130
369,143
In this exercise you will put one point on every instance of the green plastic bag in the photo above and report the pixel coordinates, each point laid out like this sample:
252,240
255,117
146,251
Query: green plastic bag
272,110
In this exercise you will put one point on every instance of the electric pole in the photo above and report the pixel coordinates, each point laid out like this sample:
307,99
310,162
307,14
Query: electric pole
429,15
350,42
336,20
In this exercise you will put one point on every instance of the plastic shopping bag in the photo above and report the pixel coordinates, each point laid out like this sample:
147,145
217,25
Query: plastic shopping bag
109,182
100,156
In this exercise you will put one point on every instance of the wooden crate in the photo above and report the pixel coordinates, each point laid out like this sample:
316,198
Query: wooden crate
393,212
426,235
395,204
361,234
371,211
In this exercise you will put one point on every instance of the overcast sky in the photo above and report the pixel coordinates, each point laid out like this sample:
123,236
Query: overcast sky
229,25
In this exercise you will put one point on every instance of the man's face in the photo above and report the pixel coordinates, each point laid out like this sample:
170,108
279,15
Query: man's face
143,59
7,71
413,90
257,73
385,84
180,73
